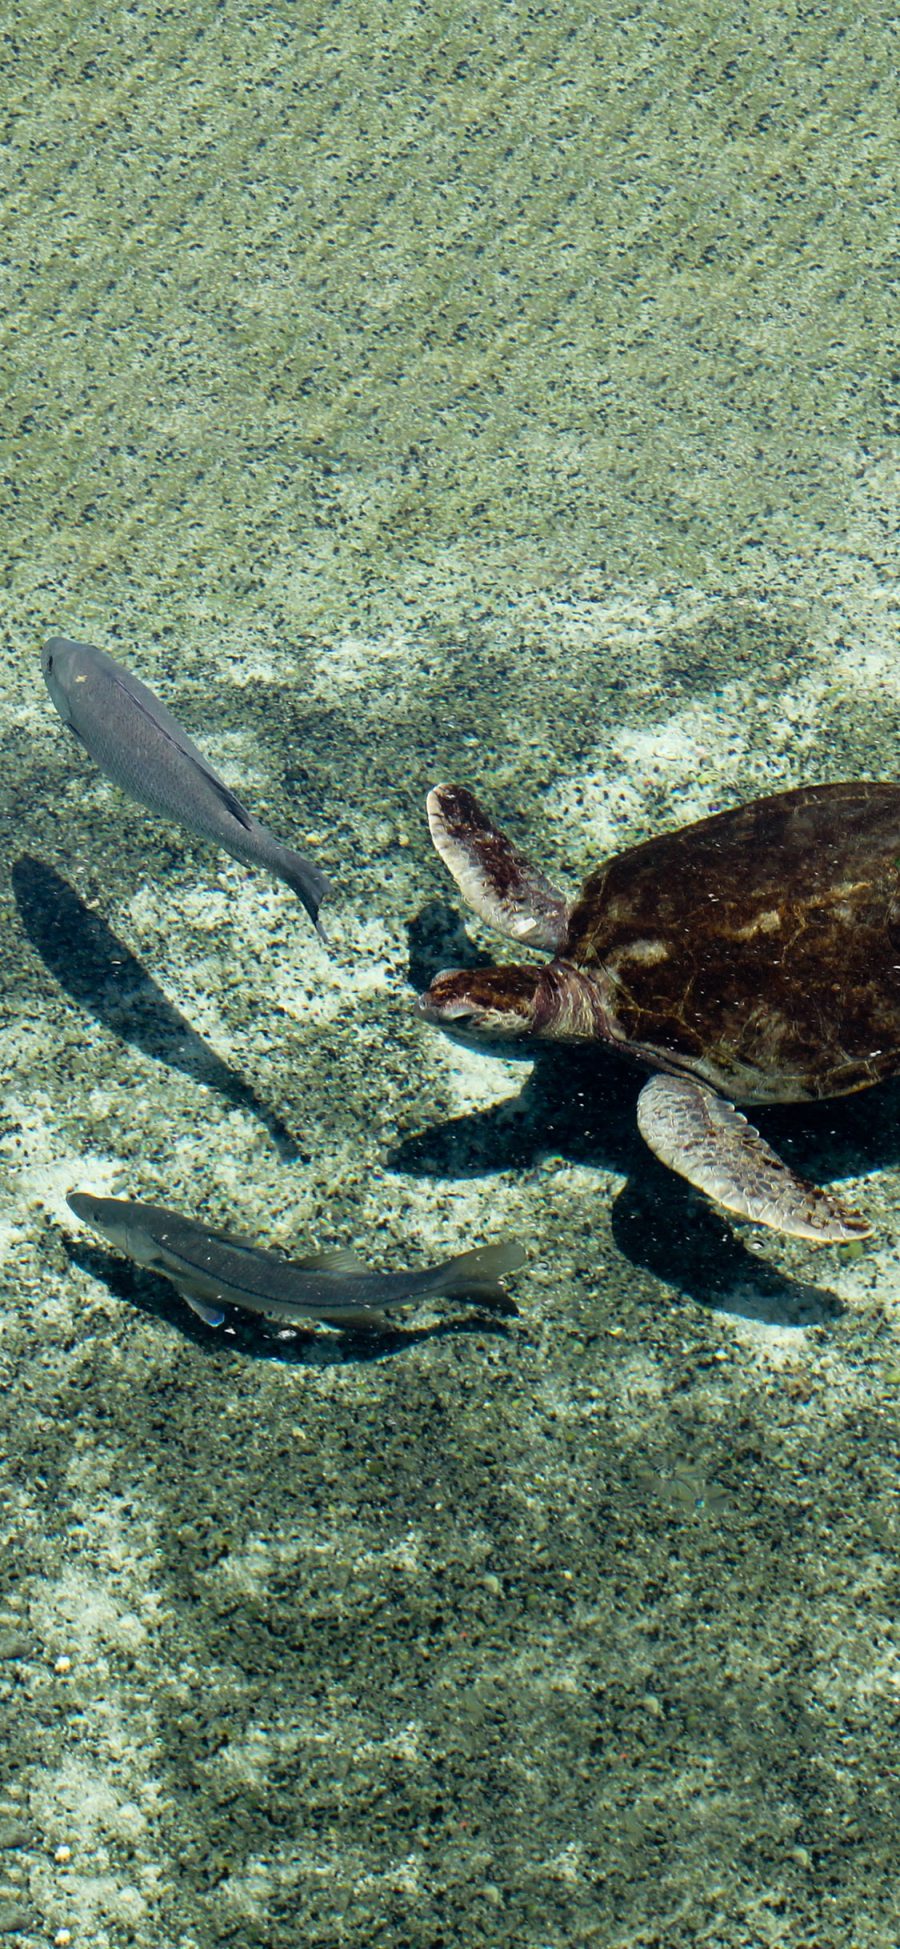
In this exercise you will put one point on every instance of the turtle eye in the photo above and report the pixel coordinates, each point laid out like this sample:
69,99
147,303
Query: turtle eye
438,1011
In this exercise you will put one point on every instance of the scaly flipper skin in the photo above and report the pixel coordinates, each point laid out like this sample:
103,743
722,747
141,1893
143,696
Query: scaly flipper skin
706,1140
498,882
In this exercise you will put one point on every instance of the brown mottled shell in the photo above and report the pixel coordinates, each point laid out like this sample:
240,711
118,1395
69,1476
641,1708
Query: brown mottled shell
758,949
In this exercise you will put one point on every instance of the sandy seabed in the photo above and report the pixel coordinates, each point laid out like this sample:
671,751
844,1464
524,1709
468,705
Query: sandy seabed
413,395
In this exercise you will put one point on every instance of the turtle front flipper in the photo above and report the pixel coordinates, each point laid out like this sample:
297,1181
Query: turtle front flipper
495,878
706,1140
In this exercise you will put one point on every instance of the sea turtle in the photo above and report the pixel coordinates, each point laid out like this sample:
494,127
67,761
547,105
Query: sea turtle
753,956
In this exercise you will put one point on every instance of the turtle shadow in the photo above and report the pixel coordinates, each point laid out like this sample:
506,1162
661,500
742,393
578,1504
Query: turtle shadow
845,1136
437,938
255,1338
585,1114
661,1225
102,976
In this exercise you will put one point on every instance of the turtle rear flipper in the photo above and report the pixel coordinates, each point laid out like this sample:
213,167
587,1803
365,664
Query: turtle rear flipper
706,1140
498,882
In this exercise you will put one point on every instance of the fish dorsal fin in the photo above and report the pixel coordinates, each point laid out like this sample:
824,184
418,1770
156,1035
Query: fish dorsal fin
229,799
188,749
341,1259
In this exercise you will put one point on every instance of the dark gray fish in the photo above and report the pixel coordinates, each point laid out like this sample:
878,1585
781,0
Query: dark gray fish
210,1269
139,745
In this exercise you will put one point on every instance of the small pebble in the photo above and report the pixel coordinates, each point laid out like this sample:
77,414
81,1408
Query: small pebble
13,1917
14,1644
14,1833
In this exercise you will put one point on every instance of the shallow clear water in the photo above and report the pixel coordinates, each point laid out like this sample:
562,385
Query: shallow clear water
412,394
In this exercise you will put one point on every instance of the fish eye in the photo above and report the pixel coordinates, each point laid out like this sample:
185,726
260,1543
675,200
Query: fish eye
49,663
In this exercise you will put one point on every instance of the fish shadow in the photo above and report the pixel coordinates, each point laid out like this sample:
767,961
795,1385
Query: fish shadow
583,1109
256,1338
102,976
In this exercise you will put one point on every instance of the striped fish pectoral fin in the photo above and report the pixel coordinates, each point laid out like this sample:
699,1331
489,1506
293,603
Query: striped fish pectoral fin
213,1315
706,1140
202,1294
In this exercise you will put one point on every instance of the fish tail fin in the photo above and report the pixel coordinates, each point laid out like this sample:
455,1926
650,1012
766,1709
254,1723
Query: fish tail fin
479,1274
305,879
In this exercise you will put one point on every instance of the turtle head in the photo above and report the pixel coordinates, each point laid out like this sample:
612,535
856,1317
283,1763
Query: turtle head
555,1000
483,1001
